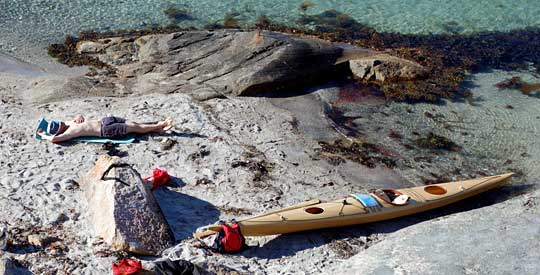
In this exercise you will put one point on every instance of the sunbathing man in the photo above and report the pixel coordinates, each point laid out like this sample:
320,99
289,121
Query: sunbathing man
108,127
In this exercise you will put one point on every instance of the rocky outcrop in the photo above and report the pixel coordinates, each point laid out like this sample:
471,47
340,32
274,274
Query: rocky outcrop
215,62
384,67
123,210
208,64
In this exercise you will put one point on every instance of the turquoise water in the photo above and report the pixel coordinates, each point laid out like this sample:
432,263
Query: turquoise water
27,26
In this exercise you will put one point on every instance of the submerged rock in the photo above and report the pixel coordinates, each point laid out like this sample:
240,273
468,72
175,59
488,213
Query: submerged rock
123,210
384,67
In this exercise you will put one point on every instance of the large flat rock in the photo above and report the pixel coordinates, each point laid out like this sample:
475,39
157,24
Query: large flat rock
123,210
216,62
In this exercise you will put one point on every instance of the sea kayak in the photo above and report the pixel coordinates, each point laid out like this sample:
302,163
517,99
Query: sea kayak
378,205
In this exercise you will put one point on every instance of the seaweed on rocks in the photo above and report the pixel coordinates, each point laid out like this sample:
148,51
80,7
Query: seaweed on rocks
365,153
448,57
436,142
516,83
66,53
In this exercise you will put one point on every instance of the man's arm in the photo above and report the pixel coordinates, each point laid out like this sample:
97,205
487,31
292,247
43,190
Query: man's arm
57,138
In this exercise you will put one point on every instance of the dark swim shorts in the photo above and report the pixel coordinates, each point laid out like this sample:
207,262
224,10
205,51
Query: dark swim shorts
113,127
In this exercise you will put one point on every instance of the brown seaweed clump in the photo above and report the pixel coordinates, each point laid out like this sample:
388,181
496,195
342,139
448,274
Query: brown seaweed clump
304,6
66,53
263,22
516,83
367,154
230,20
260,168
177,15
436,142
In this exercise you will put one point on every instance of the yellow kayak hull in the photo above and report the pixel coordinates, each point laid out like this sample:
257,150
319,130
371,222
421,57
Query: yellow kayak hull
315,214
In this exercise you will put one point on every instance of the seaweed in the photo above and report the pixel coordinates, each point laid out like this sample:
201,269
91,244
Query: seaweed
365,153
436,142
177,15
261,169
234,211
516,83
304,6
448,57
395,135
230,20
66,53
263,22
452,27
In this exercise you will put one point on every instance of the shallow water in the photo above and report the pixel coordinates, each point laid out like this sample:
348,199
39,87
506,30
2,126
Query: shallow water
497,130
27,26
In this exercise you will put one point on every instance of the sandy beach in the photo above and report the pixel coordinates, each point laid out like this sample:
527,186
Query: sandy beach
494,233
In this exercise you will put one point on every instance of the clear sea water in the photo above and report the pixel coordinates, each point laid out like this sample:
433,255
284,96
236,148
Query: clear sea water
27,26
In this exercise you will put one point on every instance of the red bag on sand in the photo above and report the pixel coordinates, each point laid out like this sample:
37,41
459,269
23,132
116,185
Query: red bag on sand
230,239
159,178
126,267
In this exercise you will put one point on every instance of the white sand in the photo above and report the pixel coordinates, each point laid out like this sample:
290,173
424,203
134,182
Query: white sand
39,190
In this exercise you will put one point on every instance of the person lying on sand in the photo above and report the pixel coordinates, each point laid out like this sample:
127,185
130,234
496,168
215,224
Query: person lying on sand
108,127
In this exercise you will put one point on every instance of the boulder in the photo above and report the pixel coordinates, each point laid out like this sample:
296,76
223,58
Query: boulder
224,61
384,67
123,210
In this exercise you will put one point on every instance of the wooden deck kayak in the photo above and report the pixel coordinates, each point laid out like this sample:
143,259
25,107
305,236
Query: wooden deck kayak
358,209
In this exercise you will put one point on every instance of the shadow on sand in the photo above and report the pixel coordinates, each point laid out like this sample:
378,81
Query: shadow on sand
290,244
185,213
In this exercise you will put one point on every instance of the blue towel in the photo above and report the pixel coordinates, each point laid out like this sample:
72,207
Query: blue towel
366,200
127,139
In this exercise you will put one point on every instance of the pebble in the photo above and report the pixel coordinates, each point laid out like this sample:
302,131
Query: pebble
5,181
60,218
16,184
37,240
68,184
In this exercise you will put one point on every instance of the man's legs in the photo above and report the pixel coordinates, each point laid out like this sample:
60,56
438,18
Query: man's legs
140,128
